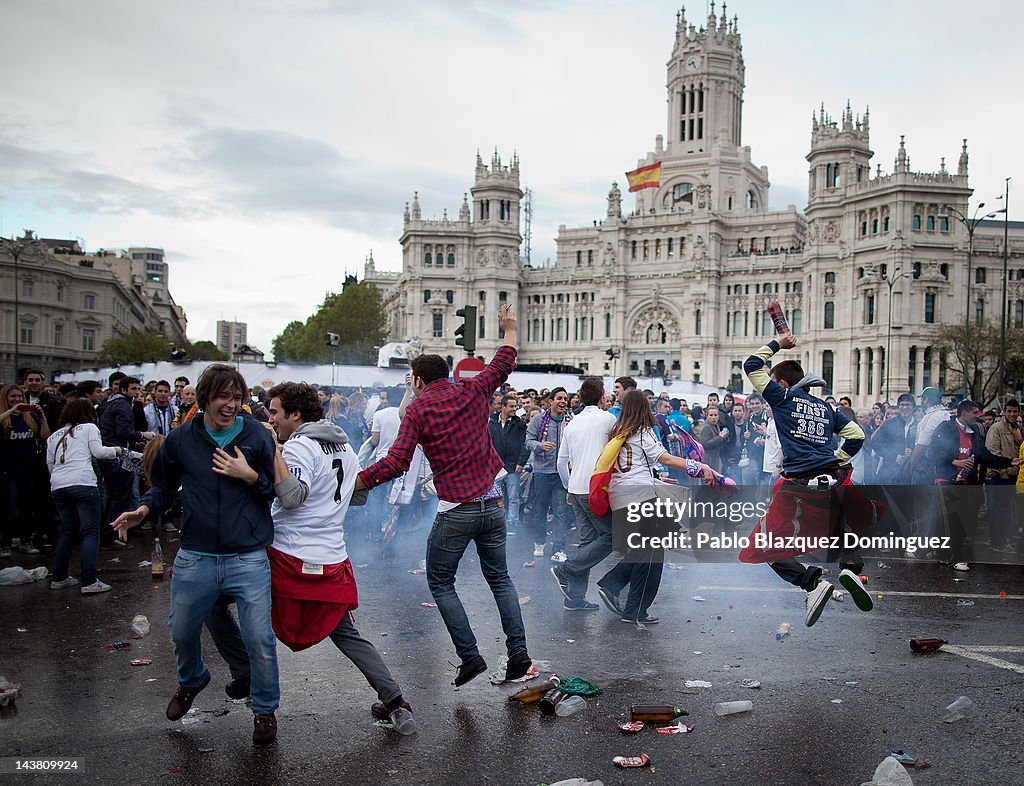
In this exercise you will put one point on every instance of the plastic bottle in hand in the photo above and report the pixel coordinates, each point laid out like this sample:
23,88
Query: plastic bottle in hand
778,317
157,567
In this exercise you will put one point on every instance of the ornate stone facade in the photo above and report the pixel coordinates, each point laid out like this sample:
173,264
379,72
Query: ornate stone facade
678,288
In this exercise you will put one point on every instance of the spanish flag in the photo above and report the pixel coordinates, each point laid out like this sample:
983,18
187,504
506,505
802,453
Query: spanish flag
645,177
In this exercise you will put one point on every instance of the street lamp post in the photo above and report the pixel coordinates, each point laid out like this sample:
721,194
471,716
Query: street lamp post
891,282
16,249
1006,258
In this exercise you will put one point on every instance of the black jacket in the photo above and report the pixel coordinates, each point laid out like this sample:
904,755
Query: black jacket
888,442
945,445
220,515
509,441
117,422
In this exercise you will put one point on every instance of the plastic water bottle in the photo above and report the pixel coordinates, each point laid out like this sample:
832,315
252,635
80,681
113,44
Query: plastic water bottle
732,707
957,710
157,567
784,630
569,705
140,626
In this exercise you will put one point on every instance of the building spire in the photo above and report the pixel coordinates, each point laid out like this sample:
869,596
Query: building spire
902,160
961,167
464,210
416,213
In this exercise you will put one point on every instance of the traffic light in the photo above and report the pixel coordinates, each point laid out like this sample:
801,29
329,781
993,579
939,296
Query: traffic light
465,334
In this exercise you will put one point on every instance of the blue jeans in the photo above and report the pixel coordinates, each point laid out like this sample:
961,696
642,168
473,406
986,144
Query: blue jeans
511,489
548,492
595,544
453,530
79,509
197,583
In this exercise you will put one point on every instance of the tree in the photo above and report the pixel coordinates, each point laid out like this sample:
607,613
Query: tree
204,350
355,315
138,346
973,358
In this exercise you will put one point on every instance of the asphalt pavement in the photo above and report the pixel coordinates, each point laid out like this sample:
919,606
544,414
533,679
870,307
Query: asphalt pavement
835,698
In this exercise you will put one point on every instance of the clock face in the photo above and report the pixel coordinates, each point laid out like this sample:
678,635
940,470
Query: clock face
692,63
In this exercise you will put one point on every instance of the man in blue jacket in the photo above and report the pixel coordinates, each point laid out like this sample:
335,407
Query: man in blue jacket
224,465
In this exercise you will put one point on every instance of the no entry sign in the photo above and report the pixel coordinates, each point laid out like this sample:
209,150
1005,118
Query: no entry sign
467,368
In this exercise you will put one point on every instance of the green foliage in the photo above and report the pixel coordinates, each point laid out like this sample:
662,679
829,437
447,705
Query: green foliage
139,346
355,315
204,350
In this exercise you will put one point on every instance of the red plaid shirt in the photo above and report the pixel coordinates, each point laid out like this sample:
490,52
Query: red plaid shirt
449,421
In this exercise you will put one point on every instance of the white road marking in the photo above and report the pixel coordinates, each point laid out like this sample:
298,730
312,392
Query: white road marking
978,653
873,590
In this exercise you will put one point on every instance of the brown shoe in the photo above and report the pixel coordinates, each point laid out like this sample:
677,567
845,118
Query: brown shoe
264,729
181,702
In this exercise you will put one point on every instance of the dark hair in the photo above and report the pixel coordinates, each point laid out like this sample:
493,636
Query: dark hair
40,372
507,398
1011,402
788,370
429,368
648,392
76,412
848,411
299,397
87,388
635,416
842,398
905,397
755,397
67,388
181,379
715,395
163,383
591,391
627,383
114,378
555,391
966,405
124,382
218,378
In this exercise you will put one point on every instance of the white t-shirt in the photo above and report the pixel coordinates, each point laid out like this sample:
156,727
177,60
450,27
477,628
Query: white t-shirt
582,443
772,448
633,479
314,531
385,421
931,421
70,459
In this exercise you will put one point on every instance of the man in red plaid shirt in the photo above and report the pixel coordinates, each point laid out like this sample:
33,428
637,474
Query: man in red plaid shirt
449,422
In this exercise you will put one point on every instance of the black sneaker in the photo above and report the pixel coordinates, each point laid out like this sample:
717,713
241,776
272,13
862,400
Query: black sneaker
380,711
609,600
579,605
237,689
518,665
646,619
469,669
563,583
181,702
264,729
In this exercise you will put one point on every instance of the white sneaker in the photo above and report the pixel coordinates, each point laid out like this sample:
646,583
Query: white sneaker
816,601
70,581
559,556
95,587
538,549
851,583
961,566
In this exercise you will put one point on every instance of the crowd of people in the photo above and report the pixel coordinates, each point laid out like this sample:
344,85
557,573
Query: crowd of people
268,489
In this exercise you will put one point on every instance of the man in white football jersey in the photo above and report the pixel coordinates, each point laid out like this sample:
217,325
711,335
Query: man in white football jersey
312,585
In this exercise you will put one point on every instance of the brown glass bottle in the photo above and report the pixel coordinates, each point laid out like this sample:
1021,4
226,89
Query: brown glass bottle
655,712
925,645
551,698
532,693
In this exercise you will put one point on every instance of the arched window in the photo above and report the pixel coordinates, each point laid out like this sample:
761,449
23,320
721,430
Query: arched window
979,275
451,260
827,367
830,278
449,295
696,322
607,325
426,295
830,314
751,201
428,259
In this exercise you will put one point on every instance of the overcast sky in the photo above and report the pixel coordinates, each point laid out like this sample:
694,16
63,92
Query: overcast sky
269,145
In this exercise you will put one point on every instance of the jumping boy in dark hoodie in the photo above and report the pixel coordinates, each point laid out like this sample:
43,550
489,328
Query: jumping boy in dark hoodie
806,426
